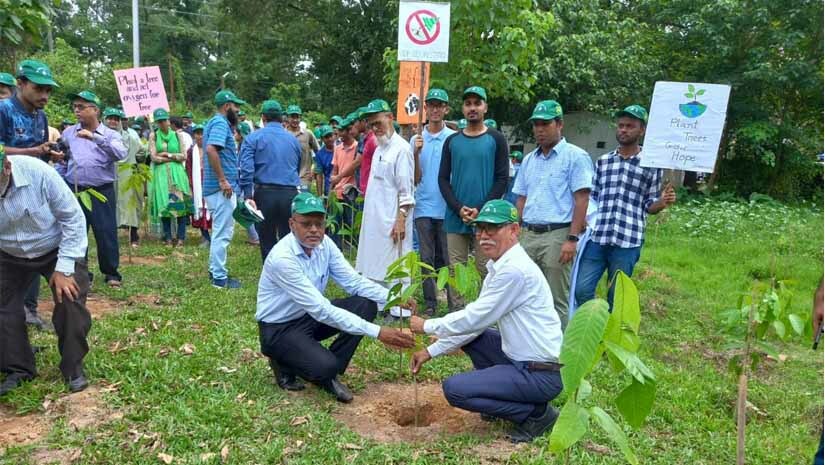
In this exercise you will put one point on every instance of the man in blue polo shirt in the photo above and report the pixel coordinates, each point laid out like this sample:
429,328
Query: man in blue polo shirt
323,159
270,162
429,203
553,186
220,180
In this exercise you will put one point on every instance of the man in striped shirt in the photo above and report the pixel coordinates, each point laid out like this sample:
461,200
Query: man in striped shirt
42,232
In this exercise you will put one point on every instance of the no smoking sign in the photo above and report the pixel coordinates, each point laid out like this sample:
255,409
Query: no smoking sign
423,31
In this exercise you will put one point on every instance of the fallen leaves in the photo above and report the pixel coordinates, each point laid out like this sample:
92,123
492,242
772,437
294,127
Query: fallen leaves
187,349
227,370
298,421
166,458
224,454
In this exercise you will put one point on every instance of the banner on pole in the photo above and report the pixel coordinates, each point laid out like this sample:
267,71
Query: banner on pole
423,31
141,90
685,125
409,87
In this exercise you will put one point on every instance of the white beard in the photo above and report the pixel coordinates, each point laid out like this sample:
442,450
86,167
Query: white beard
382,140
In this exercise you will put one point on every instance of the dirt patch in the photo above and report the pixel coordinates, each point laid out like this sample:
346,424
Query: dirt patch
100,306
143,260
56,457
81,410
386,413
647,272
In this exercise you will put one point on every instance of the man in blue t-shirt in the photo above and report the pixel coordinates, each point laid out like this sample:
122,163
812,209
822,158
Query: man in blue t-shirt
323,159
429,203
220,181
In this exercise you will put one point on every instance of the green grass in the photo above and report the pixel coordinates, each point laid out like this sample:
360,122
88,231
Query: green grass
699,257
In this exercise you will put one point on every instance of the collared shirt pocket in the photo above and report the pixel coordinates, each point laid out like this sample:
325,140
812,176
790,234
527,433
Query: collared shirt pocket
382,169
40,218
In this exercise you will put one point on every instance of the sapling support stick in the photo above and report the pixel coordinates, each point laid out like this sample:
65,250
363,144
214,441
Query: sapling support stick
742,398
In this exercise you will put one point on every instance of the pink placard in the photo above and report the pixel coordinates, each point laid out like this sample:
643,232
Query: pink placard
141,90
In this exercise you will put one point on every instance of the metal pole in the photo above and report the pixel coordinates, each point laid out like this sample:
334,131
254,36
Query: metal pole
135,35
421,96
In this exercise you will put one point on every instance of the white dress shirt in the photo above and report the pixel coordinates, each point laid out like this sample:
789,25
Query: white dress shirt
39,213
516,295
292,284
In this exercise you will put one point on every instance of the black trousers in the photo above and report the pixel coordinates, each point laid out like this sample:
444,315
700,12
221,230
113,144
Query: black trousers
71,319
295,346
275,203
432,245
102,218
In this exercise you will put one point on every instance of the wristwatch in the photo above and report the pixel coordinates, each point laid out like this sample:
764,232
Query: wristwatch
573,237
404,212
68,275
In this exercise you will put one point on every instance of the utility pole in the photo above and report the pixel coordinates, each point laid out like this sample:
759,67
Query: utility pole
135,35
171,77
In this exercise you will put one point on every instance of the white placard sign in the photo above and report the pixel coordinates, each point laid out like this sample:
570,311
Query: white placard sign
685,125
423,31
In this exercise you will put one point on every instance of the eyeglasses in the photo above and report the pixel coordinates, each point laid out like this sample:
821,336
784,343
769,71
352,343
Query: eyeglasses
489,228
80,106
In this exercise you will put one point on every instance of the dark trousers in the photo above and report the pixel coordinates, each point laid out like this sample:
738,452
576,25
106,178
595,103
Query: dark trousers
167,228
102,218
71,319
499,386
432,246
295,346
32,293
275,203
134,237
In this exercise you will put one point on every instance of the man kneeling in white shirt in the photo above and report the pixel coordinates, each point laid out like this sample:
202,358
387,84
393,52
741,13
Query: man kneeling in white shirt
294,316
516,367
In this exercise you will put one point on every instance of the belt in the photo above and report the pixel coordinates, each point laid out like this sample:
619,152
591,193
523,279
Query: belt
275,187
543,228
543,366
100,187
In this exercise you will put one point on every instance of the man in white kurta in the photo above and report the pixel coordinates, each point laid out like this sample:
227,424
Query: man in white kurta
386,227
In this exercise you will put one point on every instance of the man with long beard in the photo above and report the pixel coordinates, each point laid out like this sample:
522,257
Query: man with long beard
386,229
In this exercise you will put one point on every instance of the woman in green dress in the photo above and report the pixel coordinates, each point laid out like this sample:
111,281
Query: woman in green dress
169,194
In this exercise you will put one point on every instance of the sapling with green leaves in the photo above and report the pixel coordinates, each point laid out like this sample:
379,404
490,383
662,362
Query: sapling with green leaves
141,174
592,335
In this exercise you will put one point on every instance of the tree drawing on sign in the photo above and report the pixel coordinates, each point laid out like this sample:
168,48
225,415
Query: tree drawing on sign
694,108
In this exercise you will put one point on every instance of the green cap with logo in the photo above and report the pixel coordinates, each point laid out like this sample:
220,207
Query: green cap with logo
497,212
377,106
36,72
517,155
8,79
111,112
121,113
476,90
306,203
294,110
197,127
245,214
546,110
86,95
345,123
437,94
160,114
337,119
353,117
462,123
634,111
317,132
227,96
491,123
272,107
325,130
188,115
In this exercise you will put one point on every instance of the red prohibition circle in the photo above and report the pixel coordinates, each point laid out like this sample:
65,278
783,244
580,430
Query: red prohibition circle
416,16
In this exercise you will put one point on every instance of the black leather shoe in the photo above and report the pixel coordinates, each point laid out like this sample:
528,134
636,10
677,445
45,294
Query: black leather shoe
78,383
12,382
286,381
338,389
531,428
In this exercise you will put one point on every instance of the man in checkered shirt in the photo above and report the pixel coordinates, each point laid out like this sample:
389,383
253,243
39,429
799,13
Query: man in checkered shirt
625,193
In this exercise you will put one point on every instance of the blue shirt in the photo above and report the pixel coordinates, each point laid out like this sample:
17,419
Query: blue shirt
548,182
218,133
19,128
323,165
429,203
93,162
270,156
292,285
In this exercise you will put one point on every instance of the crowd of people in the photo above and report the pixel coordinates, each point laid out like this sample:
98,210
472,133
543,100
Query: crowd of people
543,227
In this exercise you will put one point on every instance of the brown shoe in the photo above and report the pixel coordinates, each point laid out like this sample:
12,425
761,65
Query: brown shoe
114,283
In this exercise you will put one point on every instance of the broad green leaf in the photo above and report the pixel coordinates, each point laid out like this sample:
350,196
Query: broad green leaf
100,197
443,277
779,327
691,88
626,313
85,199
797,323
584,391
615,433
632,363
688,95
768,349
700,92
570,426
581,342
636,401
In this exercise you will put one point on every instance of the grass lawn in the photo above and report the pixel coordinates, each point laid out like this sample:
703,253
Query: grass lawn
178,379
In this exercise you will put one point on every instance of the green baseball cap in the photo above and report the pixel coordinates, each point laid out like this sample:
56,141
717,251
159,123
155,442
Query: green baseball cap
546,110
160,114
245,214
121,113
345,123
136,127
437,94
197,127
325,130
491,123
241,113
353,117
111,112
517,155
140,119
497,212
317,133
634,111
272,107
36,72
294,110
376,106
462,123
337,119
86,95
476,90
306,203
227,96
189,115
8,79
